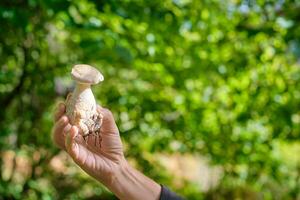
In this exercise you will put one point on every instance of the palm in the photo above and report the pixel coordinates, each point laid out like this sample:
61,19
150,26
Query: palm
98,156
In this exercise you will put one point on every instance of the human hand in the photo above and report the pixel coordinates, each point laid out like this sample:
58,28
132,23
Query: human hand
99,157
104,159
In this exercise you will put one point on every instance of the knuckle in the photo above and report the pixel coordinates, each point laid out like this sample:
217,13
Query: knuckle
63,120
67,128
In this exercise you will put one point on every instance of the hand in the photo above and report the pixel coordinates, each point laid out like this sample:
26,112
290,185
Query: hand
99,157
103,159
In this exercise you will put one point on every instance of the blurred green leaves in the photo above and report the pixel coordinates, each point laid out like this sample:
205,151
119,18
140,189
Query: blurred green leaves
216,78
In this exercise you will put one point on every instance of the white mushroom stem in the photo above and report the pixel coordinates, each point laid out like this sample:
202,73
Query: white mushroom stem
82,102
84,94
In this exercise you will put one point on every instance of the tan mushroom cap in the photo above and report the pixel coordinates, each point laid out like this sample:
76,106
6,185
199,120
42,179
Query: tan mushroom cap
86,74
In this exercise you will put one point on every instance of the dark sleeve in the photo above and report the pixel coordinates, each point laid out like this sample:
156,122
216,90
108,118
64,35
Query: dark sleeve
167,194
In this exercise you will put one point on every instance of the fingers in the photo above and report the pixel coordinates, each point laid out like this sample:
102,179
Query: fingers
70,141
108,123
58,131
75,148
59,111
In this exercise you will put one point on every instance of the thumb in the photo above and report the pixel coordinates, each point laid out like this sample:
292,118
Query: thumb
108,122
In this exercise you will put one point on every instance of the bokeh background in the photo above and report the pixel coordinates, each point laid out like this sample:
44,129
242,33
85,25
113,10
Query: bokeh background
206,93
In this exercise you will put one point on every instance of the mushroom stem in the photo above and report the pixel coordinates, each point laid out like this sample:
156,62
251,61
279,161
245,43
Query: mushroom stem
83,95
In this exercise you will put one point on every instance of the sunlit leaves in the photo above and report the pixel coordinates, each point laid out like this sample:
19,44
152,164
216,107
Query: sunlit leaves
220,78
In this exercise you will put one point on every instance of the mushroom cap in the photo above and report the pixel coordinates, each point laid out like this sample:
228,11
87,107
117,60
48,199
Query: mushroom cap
86,74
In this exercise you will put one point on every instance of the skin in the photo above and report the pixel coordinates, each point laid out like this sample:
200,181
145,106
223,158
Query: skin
106,162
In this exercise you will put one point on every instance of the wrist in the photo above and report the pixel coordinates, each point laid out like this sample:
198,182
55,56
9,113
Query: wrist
128,183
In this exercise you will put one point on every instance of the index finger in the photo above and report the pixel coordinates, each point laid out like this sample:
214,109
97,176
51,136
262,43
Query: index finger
59,111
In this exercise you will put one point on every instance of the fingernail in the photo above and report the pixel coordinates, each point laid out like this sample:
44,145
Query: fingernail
64,120
67,128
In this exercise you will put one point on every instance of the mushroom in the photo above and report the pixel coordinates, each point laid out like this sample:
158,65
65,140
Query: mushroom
81,107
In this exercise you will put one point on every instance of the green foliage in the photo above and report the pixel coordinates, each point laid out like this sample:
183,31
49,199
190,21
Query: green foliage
216,78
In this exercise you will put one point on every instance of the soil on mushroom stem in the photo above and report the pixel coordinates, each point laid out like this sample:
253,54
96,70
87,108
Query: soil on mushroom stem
94,129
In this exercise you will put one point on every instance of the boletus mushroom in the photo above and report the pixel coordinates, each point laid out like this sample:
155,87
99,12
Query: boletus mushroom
81,107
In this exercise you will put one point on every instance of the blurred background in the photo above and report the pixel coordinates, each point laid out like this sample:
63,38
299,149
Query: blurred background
206,93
